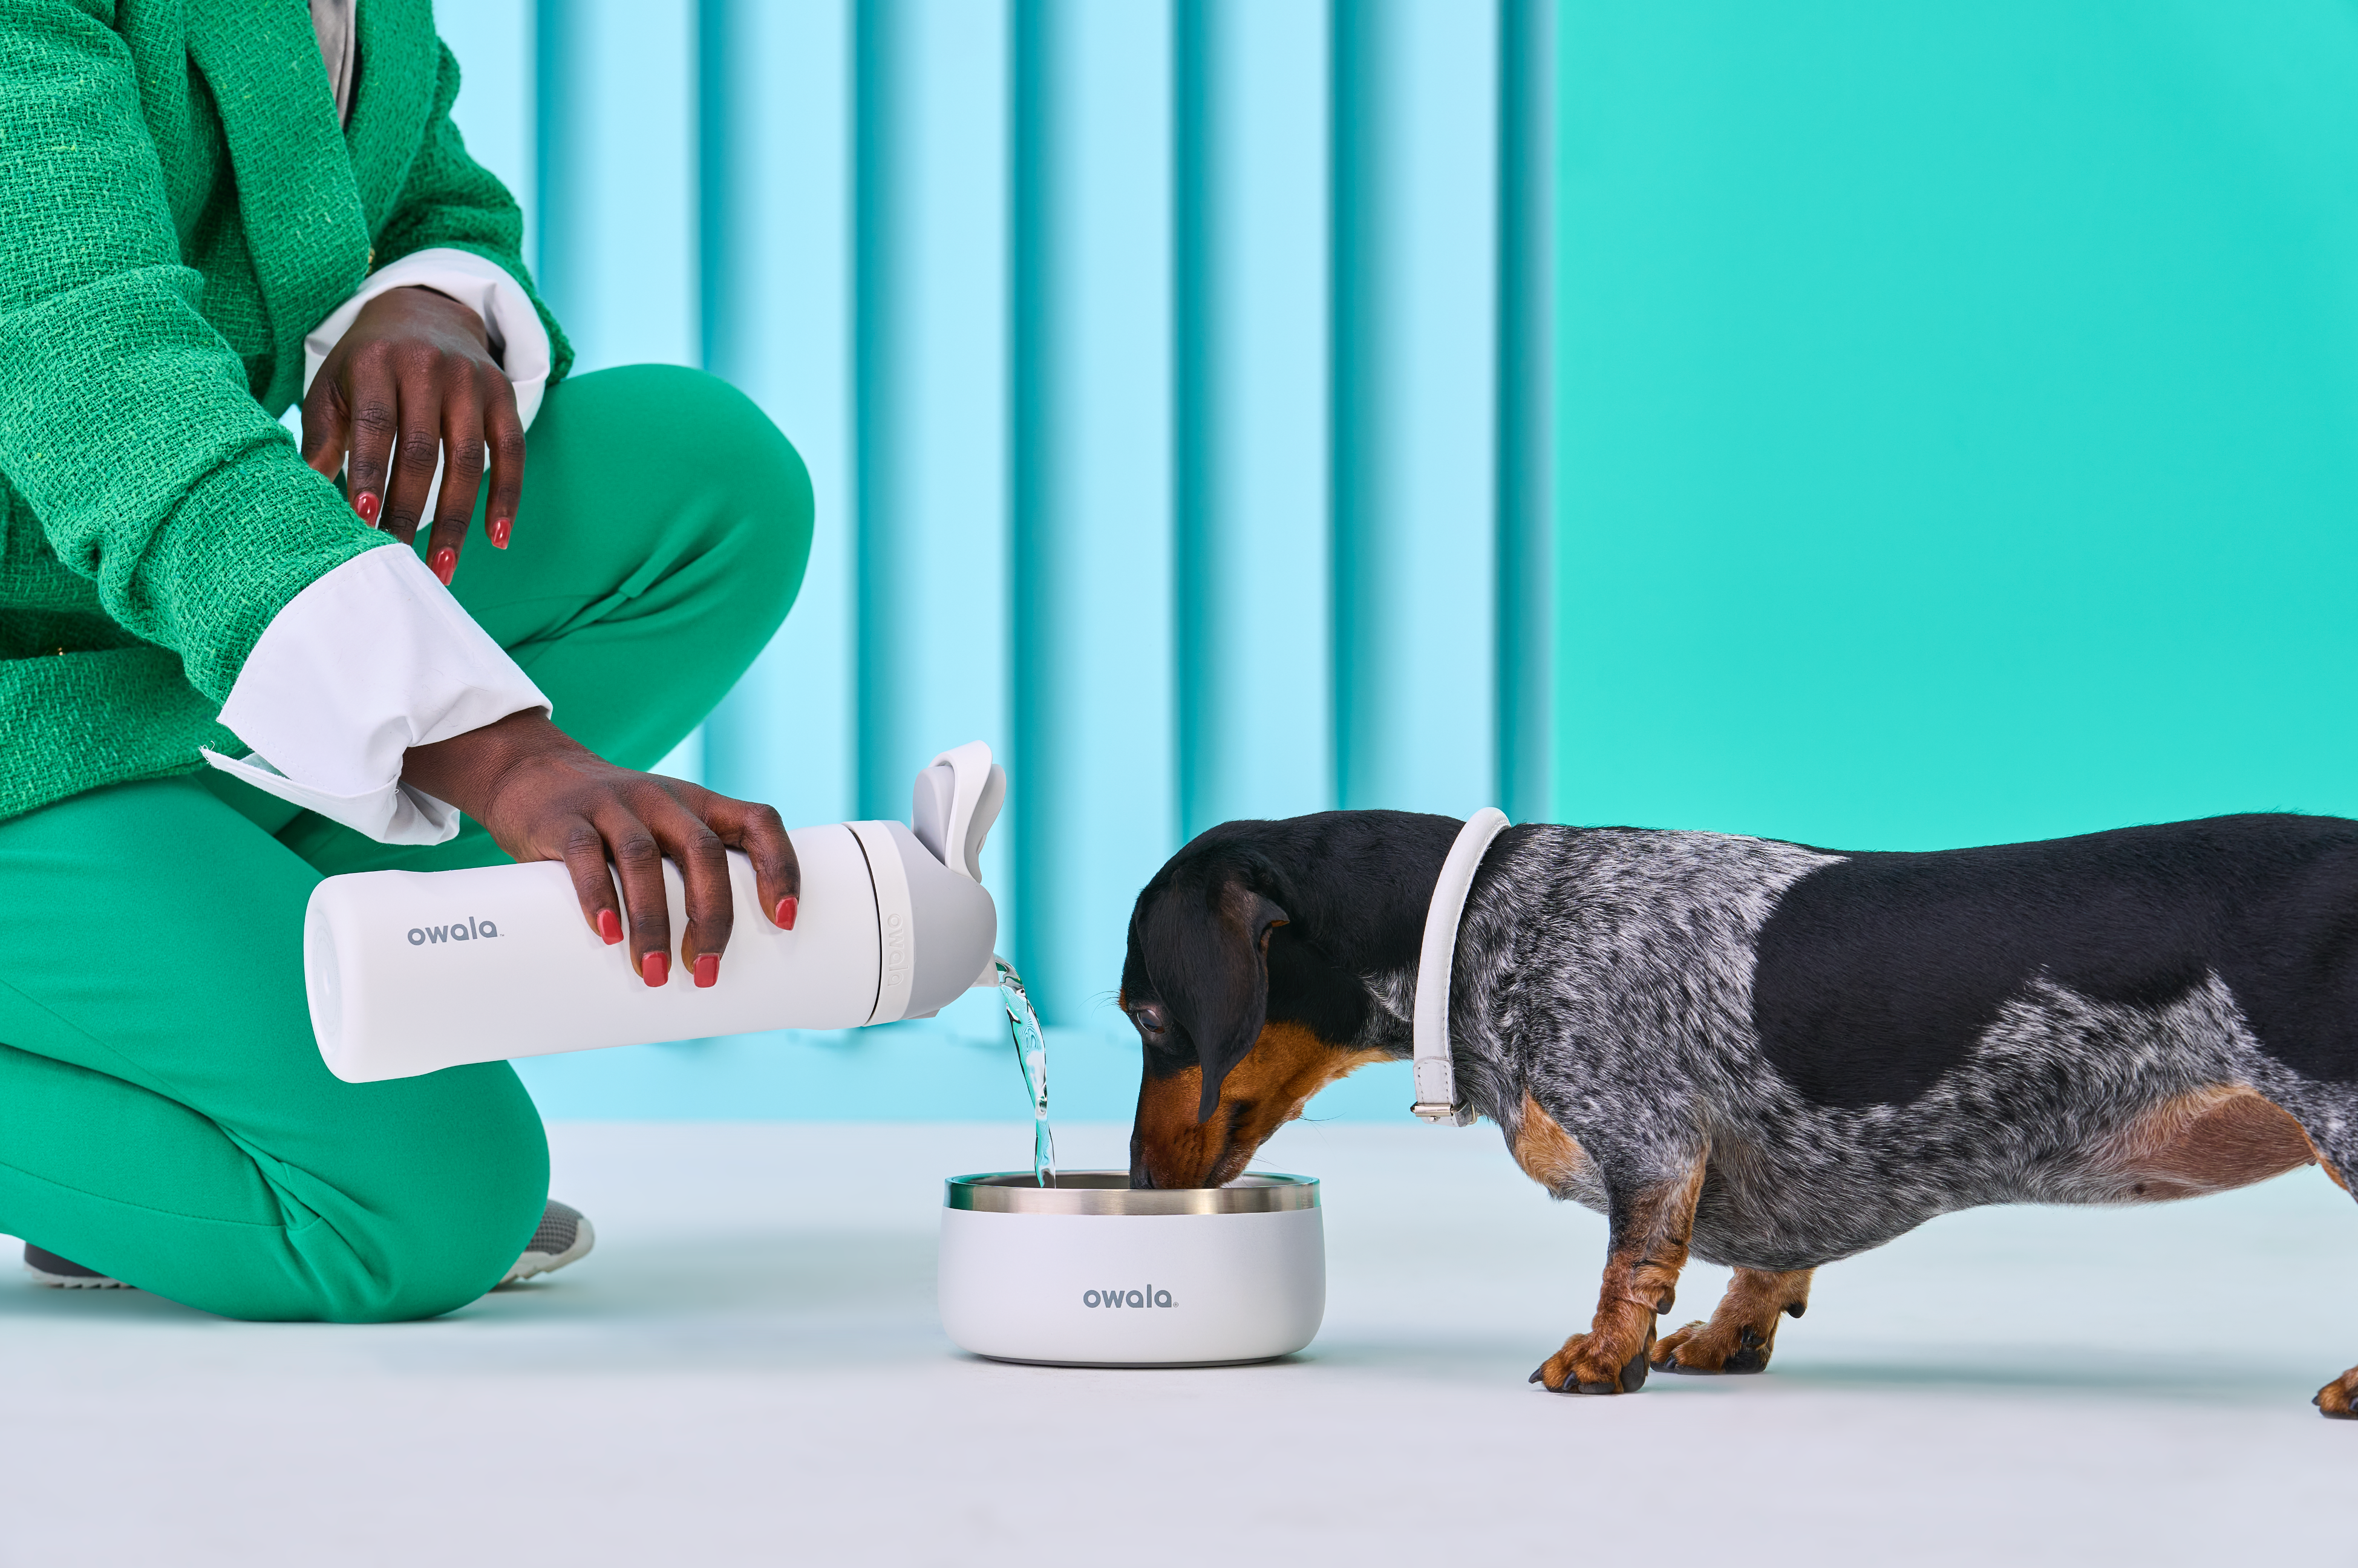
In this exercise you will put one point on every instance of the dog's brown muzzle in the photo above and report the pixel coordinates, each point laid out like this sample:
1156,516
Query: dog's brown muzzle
1168,1147
1288,1064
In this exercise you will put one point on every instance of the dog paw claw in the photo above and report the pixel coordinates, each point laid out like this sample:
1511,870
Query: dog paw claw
2337,1400
1581,1367
1704,1349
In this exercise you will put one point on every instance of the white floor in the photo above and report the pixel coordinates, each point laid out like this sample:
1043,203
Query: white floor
748,1371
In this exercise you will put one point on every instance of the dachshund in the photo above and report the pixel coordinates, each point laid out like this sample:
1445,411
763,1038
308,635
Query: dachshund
1767,1055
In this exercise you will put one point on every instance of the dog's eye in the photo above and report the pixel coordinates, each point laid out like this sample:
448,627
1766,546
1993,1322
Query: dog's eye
1148,1017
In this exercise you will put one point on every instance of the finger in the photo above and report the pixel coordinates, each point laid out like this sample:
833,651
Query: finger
703,863
758,832
374,406
462,474
593,880
325,426
412,478
503,435
638,859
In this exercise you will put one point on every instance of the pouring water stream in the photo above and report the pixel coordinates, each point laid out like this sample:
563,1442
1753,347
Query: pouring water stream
1031,1055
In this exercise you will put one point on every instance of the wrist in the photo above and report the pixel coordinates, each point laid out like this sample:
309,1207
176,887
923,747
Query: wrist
421,305
470,769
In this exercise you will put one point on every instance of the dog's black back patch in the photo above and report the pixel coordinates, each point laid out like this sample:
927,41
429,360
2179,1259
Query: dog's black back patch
1878,973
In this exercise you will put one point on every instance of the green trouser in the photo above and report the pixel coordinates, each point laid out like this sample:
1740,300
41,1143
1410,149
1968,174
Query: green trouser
164,1114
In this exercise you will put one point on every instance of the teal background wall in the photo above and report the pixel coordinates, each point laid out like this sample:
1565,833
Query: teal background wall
1173,379
1949,410
1956,414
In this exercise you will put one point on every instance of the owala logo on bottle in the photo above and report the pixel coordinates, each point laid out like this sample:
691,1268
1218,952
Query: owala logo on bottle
1148,1297
468,930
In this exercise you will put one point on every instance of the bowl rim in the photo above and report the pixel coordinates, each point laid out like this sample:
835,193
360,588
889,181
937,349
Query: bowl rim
1014,1192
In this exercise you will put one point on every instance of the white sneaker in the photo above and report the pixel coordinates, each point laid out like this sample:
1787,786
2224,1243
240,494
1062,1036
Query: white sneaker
564,1237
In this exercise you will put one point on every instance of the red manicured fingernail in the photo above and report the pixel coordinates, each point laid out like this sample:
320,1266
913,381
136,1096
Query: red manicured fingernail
708,968
785,913
445,562
366,505
609,927
500,527
655,969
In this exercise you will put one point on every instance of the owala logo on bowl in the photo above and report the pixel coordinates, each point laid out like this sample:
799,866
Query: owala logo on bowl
1032,1273
1148,1297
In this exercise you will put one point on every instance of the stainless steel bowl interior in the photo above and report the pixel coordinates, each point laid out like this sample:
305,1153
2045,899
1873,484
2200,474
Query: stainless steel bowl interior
1110,1192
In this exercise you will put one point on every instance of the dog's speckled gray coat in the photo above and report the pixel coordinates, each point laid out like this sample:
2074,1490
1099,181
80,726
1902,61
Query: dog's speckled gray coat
1609,973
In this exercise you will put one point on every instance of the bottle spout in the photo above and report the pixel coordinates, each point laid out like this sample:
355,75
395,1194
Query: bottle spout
953,806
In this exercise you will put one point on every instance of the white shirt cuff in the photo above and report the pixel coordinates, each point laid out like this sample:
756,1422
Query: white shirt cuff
371,659
519,340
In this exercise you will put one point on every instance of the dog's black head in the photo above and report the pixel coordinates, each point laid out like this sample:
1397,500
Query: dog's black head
1246,977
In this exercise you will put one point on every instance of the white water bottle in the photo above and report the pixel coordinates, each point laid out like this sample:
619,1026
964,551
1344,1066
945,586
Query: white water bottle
412,971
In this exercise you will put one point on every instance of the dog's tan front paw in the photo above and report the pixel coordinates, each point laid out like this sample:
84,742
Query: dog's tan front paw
1716,1348
2339,1399
1594,1364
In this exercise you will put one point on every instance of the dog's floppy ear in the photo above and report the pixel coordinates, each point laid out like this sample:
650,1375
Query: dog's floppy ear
1208,954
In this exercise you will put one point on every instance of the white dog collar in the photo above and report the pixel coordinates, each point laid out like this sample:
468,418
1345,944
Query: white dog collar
1436,1074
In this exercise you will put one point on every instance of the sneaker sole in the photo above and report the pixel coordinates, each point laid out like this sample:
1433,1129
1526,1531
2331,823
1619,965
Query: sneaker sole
72,1281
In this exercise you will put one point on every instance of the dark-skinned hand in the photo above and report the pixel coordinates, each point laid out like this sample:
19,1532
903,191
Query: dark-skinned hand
414,379
544,797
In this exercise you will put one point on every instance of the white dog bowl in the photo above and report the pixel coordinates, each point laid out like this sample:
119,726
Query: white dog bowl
1091,1273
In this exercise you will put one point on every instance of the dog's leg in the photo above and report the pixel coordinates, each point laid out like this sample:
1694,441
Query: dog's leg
1649,1247
2328,1131
2339,1399
1742,1332
2230,1134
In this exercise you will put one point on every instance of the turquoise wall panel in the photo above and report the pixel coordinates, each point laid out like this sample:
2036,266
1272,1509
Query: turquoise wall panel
1162,370
618,181
776,235
1254,422
497,104
931,386
1416,312
1095,634
1955,425
1526,406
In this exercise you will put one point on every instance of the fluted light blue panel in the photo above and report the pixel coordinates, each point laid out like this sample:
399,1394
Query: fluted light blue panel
1416,376
1175,382
775,128
494,42
1095,691
618,179
1527,361
931,381
618,186
1256,670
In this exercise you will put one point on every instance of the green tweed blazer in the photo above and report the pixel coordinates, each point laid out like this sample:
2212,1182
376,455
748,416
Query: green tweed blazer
178,206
